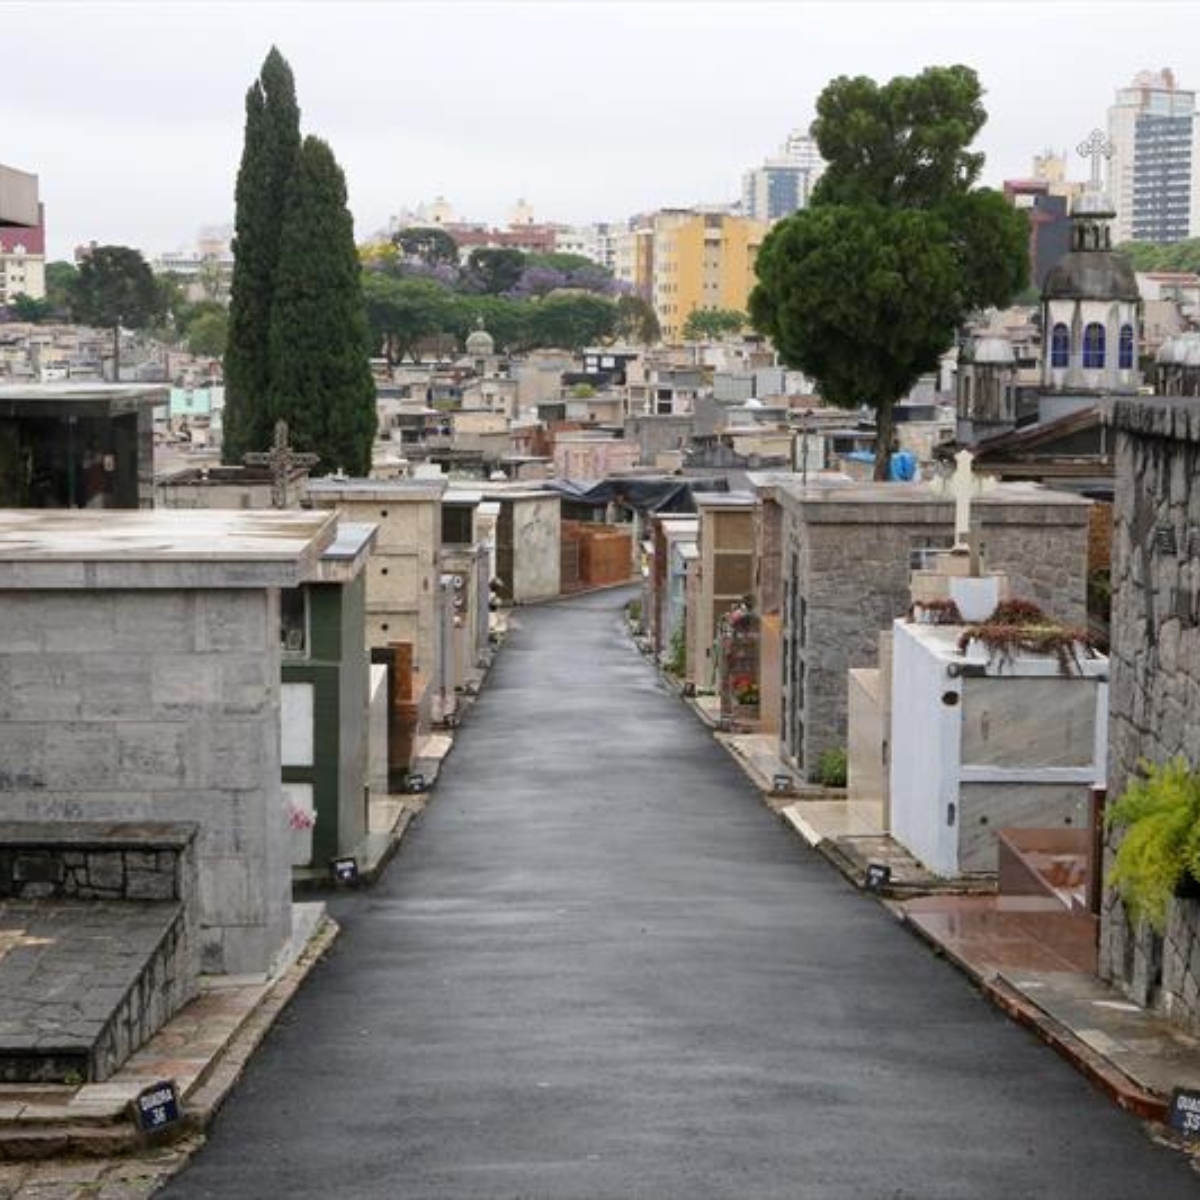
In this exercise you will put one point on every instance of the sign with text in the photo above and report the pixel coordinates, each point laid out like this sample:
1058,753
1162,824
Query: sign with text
1183,1115
345,870
878,876
158,1107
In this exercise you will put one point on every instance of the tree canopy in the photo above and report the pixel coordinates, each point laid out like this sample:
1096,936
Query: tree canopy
496,270
864,289
430,245
705,323
115,287
321,380
1171,256
636,321
269,156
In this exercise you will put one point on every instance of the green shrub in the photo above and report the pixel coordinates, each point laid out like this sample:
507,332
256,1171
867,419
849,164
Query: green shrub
831,768
1160,813
676,661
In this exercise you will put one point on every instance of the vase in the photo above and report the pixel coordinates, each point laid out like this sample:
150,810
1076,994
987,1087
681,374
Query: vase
302,847
976,596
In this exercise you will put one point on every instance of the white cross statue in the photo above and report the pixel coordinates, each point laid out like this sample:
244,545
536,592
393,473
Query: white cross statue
1096,147
962,485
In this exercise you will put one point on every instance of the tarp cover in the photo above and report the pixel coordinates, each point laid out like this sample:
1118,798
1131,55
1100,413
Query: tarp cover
669,494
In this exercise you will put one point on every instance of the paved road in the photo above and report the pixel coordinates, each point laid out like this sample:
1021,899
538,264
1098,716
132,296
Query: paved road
599,968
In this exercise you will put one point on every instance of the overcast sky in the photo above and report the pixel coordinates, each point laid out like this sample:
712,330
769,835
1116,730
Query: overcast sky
132,113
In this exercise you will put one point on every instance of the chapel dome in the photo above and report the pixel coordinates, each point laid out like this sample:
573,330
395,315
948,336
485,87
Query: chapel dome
480,343
1091,275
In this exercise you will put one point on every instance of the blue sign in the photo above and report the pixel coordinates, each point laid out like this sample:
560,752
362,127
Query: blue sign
345,870
879,875
1183,1115
157,1107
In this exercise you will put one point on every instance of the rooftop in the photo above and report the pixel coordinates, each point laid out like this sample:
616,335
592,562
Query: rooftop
167,548
396,490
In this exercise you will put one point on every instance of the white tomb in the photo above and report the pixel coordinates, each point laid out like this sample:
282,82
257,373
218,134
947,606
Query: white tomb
981,743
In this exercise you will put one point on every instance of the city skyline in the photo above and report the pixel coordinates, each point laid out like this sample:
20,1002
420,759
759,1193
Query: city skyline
591,111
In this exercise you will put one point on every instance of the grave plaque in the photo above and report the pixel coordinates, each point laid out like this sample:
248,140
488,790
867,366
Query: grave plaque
878,876
414,784
157,1108
345,871
1183,1114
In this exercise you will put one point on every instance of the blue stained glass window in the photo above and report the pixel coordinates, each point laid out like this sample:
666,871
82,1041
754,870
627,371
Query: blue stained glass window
1060,346
1093,346
1125,349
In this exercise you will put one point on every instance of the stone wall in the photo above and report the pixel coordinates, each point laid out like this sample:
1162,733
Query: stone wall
848,555
1155,689
157,705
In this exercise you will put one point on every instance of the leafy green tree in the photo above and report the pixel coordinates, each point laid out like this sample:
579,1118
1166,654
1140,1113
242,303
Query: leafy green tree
1173,256
705,323
506,320
116,287
636,321
433,246
864,289
571,321
26,308
496,270
208,332
320,376
403,312
60,281
561,260
269,159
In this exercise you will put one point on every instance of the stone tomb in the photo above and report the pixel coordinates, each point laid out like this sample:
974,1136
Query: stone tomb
848,552
140,681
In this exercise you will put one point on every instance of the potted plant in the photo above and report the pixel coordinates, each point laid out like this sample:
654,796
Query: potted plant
935,612
1159,854
745,690
1020,627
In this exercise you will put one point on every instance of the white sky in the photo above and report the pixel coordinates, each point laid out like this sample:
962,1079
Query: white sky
131,113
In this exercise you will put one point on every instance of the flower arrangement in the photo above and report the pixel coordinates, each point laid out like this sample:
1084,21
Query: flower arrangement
738,618
299,818
744,689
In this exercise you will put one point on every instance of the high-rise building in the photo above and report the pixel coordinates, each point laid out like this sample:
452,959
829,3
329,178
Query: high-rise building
1152,176
22,237
784,183
701,260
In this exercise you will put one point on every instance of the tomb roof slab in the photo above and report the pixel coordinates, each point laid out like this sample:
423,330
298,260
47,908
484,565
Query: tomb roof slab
192,548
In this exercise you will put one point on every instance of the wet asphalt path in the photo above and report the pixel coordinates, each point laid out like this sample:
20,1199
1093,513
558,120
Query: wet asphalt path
599,968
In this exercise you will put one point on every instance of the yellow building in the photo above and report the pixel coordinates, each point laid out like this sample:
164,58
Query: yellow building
701,261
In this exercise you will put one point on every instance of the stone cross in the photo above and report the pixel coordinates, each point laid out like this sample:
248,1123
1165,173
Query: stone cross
962,485
1096,147
281,458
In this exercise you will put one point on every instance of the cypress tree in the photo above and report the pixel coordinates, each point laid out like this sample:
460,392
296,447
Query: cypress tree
321,380
272,144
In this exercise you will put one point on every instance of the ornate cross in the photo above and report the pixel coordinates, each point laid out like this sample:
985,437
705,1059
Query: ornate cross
961,486
1096,147
281,458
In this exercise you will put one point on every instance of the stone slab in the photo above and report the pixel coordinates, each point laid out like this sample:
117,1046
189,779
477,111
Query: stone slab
65,969
169,548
